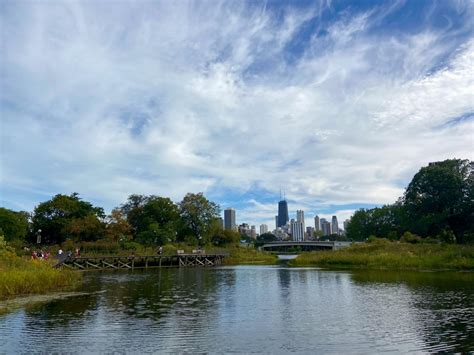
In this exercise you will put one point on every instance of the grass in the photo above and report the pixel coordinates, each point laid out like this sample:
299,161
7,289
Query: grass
383,254
20,276
248,256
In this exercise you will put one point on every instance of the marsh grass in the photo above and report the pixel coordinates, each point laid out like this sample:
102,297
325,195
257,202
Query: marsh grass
383,254
248,256
19,276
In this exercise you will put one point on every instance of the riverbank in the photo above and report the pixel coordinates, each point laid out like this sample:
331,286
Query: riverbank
19,276
383,254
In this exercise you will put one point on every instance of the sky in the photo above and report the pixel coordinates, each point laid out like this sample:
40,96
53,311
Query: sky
336,103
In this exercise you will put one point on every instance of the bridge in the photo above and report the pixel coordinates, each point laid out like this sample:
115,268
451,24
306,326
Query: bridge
141,262
287,247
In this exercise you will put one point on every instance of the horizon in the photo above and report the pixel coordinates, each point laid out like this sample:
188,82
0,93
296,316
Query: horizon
337,103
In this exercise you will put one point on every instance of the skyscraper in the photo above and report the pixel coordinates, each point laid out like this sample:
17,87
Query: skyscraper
300,219
276,222
282,213
334,225
325,227
263,229
317,225
229,219
297,231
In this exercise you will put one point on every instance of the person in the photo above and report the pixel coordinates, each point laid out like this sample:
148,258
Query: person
131,256
69,254
60,252
33,254
160,250
78,252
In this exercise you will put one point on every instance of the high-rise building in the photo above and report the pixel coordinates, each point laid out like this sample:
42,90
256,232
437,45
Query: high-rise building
229,219
346,223
297,231
244,229
276,222
317,225
282,213
309,232
300,218
253,232
334,225
263,229
325,227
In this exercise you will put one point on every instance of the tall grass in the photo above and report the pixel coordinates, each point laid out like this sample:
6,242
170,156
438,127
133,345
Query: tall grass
248,256
384,254
19,276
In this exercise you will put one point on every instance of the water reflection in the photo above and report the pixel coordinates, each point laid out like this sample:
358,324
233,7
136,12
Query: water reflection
441,305
252,309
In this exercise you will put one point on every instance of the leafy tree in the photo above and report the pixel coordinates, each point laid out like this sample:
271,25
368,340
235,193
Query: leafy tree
117,226
65,216
441,196
13,224
197,215
153,219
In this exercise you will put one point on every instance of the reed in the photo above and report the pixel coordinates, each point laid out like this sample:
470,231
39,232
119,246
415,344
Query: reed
383,254
248,256
19,276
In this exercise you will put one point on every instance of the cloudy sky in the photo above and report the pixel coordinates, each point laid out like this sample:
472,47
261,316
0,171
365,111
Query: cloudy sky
338,103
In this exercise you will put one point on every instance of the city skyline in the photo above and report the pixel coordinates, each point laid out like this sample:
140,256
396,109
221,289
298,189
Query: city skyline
337,103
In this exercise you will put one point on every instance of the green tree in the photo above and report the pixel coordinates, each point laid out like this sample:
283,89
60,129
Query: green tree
117,226
153,219
441,197
197,216
14,225
65,216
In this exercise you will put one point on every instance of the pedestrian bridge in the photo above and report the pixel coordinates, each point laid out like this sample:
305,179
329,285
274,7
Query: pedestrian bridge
291,246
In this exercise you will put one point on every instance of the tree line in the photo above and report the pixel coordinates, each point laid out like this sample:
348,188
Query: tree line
438,205
149,220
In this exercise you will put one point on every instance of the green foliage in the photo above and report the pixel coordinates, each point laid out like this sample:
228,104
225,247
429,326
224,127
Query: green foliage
408,237
383,254
14,225
19,276
154,220
64,217
117,226
243,255
439,201
197,217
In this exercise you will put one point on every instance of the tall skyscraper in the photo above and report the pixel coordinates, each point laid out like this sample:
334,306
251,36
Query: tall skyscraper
229,219
325,227
276,222
317,225
253,232
282,213
334,225
263,229
300,218
297,231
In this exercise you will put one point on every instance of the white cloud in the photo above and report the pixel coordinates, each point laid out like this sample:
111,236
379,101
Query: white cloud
170,97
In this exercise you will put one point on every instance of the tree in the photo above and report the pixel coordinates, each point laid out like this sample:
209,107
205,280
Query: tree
441,197
65,216
14,225
197,215
117,226
153,219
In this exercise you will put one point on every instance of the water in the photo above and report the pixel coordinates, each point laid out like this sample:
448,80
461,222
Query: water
248,309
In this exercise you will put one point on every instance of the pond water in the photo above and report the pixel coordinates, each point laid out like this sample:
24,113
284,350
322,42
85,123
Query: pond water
251,309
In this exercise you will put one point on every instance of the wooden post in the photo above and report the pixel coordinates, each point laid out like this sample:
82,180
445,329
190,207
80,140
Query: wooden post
146,262
160,260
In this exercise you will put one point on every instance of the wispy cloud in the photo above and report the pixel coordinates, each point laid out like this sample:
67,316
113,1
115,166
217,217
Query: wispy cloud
170,97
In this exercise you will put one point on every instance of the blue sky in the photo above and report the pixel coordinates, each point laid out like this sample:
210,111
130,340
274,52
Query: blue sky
338,103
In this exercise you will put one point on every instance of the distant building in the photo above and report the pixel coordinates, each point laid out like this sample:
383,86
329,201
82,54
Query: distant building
334,225
317,225
345,224
297,231
253,232
282,213
309,232
276,222
325,227
263,229
229,219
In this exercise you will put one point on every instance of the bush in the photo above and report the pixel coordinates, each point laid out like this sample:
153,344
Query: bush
408,237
